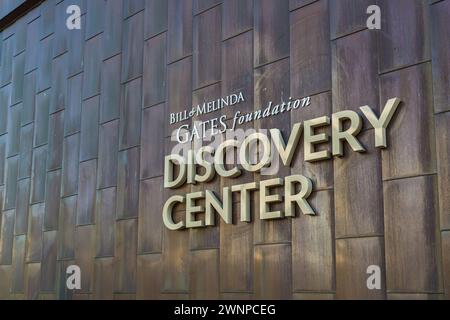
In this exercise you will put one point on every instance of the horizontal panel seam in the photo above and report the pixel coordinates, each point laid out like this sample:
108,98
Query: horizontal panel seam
348,34
355,236
410,176
207,9
303,6
270,62
237,34
404,67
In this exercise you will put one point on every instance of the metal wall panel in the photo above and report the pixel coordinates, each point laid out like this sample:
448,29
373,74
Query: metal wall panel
84,128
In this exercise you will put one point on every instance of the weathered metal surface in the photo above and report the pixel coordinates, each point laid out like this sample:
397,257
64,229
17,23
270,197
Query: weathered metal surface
84,127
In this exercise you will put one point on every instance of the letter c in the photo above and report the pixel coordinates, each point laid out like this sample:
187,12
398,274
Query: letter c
167,213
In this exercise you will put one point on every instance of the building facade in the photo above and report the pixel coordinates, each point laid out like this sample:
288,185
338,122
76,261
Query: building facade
89,109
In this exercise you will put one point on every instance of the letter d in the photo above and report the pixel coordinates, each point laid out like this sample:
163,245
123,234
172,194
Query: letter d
169,180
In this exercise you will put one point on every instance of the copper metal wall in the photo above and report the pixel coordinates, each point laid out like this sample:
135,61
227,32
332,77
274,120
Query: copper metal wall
83,133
